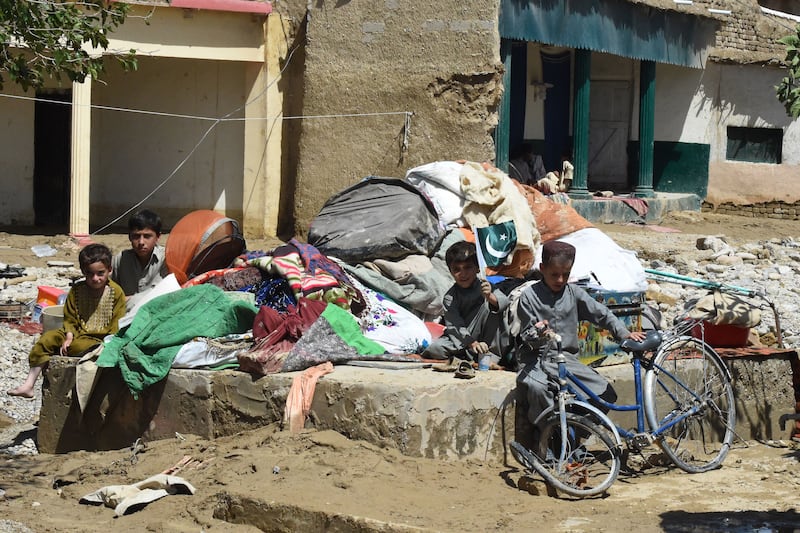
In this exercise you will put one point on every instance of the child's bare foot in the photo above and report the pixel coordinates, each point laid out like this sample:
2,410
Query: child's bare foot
22,391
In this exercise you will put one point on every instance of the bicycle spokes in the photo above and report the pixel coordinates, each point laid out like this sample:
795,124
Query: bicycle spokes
689,404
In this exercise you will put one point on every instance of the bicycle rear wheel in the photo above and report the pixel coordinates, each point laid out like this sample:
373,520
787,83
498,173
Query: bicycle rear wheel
590,462
689,387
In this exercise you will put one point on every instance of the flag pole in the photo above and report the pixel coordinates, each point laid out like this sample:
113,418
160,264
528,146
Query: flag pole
481,258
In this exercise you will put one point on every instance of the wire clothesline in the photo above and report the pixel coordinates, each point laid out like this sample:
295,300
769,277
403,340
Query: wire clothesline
215,121
209,119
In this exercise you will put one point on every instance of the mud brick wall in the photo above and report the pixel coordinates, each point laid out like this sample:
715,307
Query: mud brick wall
765,386
781,210
746,34
437,60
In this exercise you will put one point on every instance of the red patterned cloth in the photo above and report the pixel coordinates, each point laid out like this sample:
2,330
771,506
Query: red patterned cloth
275,334
26,326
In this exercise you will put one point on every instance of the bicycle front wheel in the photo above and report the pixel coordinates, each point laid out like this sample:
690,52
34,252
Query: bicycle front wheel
688,391
585,465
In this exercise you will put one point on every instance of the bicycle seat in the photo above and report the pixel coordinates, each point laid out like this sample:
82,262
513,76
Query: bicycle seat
651,342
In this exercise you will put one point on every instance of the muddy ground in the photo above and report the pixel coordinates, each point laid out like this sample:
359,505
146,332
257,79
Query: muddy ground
274,481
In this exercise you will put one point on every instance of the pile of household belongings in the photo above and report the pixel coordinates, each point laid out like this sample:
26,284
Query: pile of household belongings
367,285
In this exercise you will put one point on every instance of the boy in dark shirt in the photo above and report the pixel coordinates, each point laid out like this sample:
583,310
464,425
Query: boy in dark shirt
142,266
473,315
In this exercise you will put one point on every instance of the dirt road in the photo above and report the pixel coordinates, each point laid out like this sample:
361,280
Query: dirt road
322,481
322,475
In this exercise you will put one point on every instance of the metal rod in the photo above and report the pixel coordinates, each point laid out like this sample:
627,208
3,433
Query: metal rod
731,288
703,283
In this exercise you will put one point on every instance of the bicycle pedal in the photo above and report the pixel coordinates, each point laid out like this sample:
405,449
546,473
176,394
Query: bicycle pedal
640,441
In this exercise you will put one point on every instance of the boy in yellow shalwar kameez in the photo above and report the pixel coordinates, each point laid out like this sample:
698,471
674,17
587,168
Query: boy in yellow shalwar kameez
92,311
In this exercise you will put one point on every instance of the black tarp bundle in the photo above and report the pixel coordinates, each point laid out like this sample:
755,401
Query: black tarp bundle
383,218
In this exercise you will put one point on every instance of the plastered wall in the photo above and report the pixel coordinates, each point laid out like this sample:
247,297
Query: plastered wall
438,60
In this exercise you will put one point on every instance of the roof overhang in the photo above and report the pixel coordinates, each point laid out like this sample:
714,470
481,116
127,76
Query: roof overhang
616,27
257,7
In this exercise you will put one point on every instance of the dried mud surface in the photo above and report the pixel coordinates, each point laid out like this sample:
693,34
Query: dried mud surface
271,480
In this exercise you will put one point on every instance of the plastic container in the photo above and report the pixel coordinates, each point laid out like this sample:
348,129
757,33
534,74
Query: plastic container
485,363
36,313
722,335
50,295
52,317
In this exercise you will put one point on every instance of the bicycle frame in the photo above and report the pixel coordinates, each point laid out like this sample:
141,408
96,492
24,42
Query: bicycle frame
565,389
576,435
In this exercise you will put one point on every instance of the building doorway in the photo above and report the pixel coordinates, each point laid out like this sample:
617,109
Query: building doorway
51,157
609,125
556,73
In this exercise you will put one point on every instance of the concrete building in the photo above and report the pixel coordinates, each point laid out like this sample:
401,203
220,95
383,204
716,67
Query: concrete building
178,125
712,125
755,146
264,110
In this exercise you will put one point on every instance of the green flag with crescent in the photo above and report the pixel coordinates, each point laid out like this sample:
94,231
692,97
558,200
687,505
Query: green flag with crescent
496,242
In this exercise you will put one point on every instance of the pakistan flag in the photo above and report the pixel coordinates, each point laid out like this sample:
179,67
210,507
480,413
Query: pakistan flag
496,242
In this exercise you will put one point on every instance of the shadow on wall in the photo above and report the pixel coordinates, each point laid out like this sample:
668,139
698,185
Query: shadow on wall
291,85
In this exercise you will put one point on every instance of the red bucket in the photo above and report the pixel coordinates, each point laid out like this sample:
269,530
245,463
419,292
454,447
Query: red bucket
722,335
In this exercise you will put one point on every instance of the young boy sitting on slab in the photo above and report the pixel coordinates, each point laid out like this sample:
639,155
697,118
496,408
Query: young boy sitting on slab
92,311
473,311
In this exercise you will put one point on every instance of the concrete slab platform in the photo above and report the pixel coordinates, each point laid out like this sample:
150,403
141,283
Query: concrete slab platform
615,211
762,388
417,411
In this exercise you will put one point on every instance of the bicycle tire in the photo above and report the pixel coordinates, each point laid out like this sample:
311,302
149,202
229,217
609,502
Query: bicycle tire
701,441
588,469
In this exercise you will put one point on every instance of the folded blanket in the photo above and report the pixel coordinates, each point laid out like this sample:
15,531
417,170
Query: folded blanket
145,350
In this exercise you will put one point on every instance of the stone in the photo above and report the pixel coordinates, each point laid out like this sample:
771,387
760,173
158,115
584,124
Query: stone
729,260
418,411
715,243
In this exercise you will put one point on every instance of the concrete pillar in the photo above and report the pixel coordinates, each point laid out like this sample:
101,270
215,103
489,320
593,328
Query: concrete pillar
80,159
580,127
647,106
263,138
255,211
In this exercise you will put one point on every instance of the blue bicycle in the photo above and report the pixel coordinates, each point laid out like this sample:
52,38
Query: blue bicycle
686,397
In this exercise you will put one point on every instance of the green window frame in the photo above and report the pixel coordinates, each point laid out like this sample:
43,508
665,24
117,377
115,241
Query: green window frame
755,145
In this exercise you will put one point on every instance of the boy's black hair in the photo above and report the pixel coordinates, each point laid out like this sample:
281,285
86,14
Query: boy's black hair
522,151
145,219
460,252
94,253
557,251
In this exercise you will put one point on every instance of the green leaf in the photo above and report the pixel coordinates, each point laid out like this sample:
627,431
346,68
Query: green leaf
54,33
788,91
